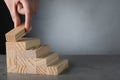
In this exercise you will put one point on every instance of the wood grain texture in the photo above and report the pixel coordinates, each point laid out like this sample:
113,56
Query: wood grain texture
51,59
29,68
11,58
17,69
11,69
16,33
37,65
21,69
23,44
48,60
57,68
43,51
37,52
36,70
41,70
33,68
28,56
11,61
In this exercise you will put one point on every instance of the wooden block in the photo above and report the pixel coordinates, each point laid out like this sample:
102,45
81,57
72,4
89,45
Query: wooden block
23,44
15,34
32,67
21,69
36,70
26,69
11,58
42,51
50,59
11,69
11,61
57,68
37,65
38,52
17,69
41,66
41,70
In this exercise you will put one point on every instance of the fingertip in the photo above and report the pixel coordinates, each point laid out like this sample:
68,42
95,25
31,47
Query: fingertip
16,22
28,29
28,22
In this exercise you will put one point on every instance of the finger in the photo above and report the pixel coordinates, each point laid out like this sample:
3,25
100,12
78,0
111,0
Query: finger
28,21
20,8
28,14
30,28
15,16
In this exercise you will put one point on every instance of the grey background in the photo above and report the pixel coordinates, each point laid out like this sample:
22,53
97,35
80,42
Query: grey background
79,26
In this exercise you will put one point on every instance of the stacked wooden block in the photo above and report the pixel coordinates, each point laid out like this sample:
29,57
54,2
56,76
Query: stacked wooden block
27,55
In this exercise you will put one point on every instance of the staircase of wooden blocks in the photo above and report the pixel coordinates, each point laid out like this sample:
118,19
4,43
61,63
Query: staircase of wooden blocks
28,56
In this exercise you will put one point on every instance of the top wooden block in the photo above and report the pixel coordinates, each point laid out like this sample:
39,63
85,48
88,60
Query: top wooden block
15,34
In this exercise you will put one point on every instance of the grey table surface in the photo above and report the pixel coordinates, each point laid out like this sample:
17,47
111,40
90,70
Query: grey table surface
82,67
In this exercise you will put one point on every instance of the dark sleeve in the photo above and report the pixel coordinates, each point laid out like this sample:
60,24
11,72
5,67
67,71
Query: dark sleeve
5,24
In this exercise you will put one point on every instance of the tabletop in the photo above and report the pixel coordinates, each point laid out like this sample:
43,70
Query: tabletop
82,67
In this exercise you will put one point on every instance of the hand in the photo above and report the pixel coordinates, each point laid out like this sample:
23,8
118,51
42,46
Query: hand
23,7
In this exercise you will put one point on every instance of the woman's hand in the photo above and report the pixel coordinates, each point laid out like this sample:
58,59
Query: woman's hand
24,7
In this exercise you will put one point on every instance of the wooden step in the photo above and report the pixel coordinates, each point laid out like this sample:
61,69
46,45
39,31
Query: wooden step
16,33
22,69
38,52
17,69
51,58
57,68
48,60
23,44
41,65
36,70
38,65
